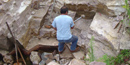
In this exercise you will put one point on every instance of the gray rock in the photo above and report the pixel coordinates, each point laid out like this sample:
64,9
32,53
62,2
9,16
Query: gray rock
97,63
5,43
53,63
103,25
76,62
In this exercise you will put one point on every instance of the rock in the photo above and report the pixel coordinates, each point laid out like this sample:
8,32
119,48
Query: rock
116,6
72,14
17,18
79,55
5,0
5,43
1,57
17,64
34,57
97,63
65,61
101,44
76,62
53,63
103,25
8,59
89,7
44,32
66,54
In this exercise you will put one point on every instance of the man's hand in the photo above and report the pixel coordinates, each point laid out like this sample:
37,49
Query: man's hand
72,27
54,28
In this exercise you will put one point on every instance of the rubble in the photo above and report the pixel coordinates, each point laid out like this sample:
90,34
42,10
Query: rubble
30,21
34,57
8,59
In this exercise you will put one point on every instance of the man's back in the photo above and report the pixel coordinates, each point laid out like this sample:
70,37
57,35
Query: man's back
63,24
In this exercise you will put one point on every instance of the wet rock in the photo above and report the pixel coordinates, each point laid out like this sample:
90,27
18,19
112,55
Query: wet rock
53,63
97,63
76,62
103,25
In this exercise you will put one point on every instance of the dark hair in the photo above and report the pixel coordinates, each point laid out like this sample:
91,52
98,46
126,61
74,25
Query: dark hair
63,10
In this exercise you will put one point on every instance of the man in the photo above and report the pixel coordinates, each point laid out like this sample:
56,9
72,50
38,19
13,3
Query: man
63,25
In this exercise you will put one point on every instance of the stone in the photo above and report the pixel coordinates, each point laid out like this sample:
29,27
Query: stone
101,44
89,7
76,62
34,57
8,59
116,6
79,55
64,61
17,64
97,63
5,43
66,54
17,18
103,26
5,0
72,14
53,63
43,41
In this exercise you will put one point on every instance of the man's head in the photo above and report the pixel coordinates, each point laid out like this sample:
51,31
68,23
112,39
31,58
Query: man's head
64,10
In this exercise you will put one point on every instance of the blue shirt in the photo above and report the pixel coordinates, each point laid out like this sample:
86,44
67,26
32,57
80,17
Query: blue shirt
63,24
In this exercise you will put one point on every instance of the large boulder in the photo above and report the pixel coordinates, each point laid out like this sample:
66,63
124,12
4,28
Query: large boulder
18,15
89,7
103,25
101,45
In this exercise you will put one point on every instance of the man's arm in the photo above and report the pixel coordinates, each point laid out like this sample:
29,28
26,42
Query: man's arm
73,25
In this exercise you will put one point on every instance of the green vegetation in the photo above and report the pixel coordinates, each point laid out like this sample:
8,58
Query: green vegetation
107,59
91,53
123,57
126,6
126,19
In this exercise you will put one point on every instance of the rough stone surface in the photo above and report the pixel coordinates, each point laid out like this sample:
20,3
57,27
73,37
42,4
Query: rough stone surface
17,15
76,62
102,24
79,55
34,57
53,63
89,7
97,63
5,44
101,44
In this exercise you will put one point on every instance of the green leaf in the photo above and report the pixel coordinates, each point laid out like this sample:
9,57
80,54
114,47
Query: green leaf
128,12
124,6
126,1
